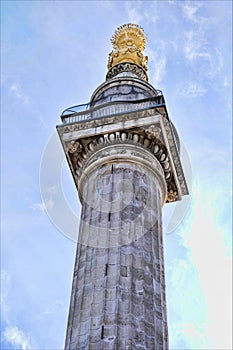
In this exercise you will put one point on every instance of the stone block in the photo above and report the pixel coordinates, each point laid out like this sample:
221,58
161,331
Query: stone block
137,309
98,297
86,301
138,273
94,346
96,322
101,252
112,270
109,331
95,335
81,340
110,306
84,314
83,327
150,342
100,272
124,307
109,344
110,318
113,256
149,328
111,282
123,271
110,294
99,283
125,283
97,309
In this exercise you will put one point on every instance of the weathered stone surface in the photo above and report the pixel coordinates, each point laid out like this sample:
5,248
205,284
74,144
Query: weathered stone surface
119,298
126,165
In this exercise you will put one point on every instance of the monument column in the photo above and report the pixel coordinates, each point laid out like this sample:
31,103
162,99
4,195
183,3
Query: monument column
123,153
117,295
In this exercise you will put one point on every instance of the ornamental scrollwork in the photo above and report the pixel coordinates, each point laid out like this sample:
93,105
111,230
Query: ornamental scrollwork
81,151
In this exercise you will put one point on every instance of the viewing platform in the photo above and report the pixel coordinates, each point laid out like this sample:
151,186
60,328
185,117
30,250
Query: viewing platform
96,109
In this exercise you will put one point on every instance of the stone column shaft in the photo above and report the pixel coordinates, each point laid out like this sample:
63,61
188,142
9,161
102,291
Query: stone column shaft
118,292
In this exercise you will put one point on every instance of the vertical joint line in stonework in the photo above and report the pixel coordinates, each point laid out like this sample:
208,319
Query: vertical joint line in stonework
106,269
112,168
109,216
102,332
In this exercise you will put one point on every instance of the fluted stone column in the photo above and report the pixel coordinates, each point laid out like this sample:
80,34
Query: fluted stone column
118,293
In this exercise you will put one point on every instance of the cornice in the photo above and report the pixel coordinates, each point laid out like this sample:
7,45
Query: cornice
148,129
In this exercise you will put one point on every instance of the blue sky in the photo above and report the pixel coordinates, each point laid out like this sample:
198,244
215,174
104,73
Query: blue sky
54,54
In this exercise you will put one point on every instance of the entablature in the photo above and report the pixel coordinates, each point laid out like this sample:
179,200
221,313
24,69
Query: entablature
148,128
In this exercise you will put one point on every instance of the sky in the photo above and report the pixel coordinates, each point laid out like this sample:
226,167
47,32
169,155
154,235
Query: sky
54,55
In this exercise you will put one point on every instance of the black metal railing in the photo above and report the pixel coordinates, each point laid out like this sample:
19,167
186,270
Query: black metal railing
90,111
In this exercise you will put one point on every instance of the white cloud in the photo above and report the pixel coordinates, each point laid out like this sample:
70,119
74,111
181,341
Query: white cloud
47,204
157,63
16,89
196,45
5,285
197,48
204,237
194,335
196,42
226,82
192,89
16,337
138,13
186,300
12,334
133,14
53,308
189,9
160,70
43,206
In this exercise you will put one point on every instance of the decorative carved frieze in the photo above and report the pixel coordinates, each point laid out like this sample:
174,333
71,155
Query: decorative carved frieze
80,152
148,129
127,67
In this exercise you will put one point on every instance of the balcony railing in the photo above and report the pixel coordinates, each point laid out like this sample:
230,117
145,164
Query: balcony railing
88,111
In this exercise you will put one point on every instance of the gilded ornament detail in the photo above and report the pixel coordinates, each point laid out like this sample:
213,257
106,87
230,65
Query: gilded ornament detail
128,43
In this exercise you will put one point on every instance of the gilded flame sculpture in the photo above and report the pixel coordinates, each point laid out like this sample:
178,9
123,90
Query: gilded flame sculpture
128,42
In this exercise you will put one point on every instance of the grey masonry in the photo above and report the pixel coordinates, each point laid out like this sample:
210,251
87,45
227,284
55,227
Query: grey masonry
123,153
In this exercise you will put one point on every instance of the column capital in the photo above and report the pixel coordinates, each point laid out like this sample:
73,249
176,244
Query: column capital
127,154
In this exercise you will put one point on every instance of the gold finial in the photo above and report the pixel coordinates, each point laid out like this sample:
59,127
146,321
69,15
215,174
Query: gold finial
128,42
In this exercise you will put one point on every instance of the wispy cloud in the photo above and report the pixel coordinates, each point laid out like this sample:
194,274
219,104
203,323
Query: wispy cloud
12,335
5,285
43,206
192,89
189,10
195,45
133,14
160,70
157,63
47,204
138,13
56,305
17,91
226,82
197,48
17,338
